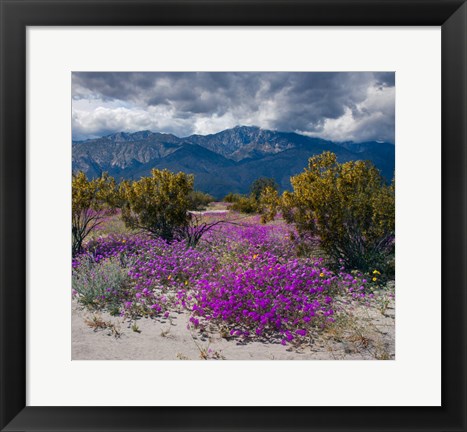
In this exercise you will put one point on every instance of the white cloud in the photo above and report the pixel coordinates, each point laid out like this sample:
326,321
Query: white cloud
372,119
103,120
339,106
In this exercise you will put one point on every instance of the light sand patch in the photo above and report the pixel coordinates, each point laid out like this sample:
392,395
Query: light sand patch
361,332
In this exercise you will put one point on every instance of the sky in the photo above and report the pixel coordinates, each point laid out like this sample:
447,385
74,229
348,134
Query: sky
339,106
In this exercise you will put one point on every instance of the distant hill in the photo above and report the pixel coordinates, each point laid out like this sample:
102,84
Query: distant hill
228,161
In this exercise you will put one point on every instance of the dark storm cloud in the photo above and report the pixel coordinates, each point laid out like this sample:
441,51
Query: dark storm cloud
186,102
386,79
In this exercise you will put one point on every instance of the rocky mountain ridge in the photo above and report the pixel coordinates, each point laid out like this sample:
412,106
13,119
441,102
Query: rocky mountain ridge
228,161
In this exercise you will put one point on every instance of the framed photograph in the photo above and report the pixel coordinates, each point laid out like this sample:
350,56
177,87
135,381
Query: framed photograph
267,203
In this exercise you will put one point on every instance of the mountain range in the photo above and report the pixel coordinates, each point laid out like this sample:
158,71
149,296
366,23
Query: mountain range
228,161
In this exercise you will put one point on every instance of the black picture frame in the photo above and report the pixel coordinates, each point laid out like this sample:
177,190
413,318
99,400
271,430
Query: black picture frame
16,15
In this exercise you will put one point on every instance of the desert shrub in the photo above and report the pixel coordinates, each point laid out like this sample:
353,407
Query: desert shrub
252,203
260,184
92,202
199,200
158,204
232,197
245,204
347,206
195,229
268,204
100,283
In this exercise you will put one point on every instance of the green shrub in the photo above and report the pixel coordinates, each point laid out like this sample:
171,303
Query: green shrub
232,197
259,185
348,207
199,200
252,203
245,205
158,204
100,283
92,202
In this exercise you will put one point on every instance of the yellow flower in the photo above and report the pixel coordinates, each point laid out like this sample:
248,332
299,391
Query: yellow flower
170,277
375,279
255,256
186,282
321,274
376,272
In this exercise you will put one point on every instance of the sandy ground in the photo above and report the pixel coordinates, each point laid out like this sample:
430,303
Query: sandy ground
209,211
361,332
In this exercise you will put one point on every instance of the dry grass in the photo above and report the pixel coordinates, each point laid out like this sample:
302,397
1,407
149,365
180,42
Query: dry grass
360,331
206,353
135,328
181,356
97,323
166,333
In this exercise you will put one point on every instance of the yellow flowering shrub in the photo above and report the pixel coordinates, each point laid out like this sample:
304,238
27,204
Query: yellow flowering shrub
347,206
92,201
158,204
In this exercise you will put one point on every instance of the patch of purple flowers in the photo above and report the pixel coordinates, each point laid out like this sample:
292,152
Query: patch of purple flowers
244,277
